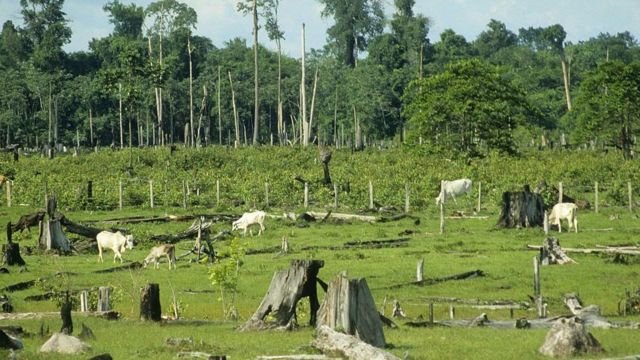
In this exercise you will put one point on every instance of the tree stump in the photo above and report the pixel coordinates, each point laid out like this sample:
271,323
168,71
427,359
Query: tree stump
286,289
51,235
65,313
349,306
150,303
521,209
551,253
569,337
325,157
11,251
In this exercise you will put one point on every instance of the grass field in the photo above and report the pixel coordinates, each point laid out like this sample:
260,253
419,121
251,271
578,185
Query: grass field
467,244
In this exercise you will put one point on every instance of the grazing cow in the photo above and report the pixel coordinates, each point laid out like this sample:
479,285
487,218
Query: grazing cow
564,211
451,189
114,241
248,219
168,250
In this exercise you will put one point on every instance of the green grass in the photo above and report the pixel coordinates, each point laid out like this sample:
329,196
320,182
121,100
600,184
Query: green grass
466,245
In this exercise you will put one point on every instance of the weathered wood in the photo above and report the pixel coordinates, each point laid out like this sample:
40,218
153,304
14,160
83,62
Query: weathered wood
51,236
11,251
569,337
349,306
461,276
84,301
297,357
150,303
420,270
286,289
333,342
130,266
370,244
551,253
104,294
334,215
5,304
191,232
607,250
65,314
7,342
27,221
78,229
521,209
200,355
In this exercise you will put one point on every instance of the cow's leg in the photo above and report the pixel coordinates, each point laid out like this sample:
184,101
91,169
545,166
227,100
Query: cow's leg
559,223
100,259
261,229
575,224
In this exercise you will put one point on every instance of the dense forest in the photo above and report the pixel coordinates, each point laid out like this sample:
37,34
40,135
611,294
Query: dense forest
153,82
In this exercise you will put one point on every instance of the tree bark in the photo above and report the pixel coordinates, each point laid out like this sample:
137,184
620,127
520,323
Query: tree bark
565,80
521,209
65,313
332,342
11,251
256,107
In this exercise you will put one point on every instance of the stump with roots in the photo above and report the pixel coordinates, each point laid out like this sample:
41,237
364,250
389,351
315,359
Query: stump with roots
569,337
521,209
551,253
286,289
349,306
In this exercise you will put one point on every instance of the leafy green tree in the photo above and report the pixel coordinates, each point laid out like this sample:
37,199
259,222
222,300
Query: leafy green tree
410,31
45,27
496,38
467,107
452,47
127,20
608,105
12,47
356,22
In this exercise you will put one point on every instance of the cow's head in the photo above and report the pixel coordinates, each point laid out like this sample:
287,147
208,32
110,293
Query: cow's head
128,242
235,225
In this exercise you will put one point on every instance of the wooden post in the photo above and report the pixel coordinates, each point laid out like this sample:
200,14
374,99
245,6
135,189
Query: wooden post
596,200
545,223
406,198
120,195
630,196
442,208
560,192
370,195
90,190
150,303
431,313
306,195
84,301
9,185
536,285
104,293
479,196
151,193
420,271
217,193
184,194
266,193
452,312
335,196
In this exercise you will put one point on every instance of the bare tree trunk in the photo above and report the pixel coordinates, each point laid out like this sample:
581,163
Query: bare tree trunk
303,96
235,111
90,127
120,115
565,78
50,116
190,91
256,105
202,105
280,114
313,102
219,110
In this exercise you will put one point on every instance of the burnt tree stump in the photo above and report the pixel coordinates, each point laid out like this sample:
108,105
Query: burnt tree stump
349,306
521,209
150,303
65,314
11,251
286,289
325,157
51,235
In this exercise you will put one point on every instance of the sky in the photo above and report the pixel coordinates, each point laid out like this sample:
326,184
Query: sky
219,21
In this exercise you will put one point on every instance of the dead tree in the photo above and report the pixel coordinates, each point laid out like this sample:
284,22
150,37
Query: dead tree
521,209
51,236
150,303
27,221
325,157
11,251
350,347
286,289
551,253
349,305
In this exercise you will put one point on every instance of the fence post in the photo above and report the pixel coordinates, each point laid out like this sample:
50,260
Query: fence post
406,198
442,208
370,195
103,298
560,192
452,312
420,270
630,197
479,196
536,285
120,203
84,301
596,186
184,194
9,190
545,223
151,193
431,313
217,192
266,192
335,196
306,195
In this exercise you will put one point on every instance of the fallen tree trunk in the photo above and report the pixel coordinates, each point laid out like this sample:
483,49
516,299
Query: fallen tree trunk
191,232
461,276
168,218
131,266
592,250
78,229
333,342
371,244
340,216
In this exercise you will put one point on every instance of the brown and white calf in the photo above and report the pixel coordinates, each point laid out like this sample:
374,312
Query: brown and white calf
168,250
567,211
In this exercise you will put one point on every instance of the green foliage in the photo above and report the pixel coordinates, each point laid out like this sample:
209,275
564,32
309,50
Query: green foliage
224,275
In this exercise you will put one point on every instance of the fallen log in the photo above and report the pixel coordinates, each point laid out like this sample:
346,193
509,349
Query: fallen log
200,355
341,216
476,303
167,218
109,315
191,232
333,342
78,229
371,244
297,357
592,250
131,266
461,276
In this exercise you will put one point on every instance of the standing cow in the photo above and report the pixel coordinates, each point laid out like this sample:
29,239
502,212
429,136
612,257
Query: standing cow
451,189
168,250
567,211
114,241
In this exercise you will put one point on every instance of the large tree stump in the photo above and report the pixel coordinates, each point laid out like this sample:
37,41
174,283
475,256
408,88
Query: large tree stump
150,303
286,289
569,337
551,253
521,209
51,235
11,251
65,314
349,306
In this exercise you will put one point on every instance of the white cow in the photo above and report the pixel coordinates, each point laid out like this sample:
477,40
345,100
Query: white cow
168,250
567,211
248,219
114,241
451,189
